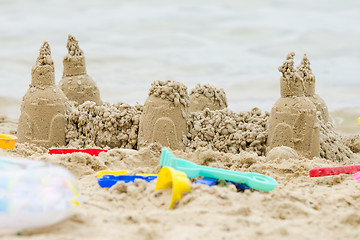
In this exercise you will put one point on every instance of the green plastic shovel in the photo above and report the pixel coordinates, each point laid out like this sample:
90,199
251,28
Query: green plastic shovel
256,181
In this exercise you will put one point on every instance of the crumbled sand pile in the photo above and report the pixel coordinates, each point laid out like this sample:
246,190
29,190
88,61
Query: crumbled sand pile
73,48
103,125
332,144
164,117
227,131
175,92
353,142
207,96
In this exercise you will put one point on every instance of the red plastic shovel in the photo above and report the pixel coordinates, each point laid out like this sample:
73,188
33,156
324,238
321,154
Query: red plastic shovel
91,151
327,171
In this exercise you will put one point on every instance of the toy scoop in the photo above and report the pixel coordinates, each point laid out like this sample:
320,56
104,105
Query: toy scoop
169,177
256,181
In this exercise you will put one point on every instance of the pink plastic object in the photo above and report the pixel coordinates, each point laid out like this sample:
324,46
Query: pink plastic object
91,151
356,176
326,171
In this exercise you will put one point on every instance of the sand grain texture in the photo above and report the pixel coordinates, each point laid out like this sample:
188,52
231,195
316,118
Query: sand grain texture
325,207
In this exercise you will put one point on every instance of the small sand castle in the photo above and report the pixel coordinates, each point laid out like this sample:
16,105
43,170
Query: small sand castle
164,117
42,120
308,77
293,120
207,96
75,83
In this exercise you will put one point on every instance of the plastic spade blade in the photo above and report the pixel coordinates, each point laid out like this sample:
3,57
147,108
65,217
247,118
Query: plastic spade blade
253,180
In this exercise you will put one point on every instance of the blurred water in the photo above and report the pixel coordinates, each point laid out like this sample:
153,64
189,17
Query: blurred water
237,45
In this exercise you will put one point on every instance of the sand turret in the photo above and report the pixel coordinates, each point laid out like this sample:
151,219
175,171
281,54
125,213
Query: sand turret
293,118
207,96
77,85
307,75
42,120
164,117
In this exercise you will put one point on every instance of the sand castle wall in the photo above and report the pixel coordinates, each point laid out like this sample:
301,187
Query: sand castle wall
77,85
164,117
42,119
207,96
117,125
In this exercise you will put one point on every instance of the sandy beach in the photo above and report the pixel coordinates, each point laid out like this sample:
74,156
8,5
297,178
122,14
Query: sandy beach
300,206
221,84
325,206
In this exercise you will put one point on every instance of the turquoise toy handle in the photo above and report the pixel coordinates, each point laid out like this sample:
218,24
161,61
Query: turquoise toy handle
256,181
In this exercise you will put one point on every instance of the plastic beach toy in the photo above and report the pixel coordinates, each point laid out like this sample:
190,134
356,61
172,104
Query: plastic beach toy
356,176
7,141
91,151
169,177
107,178
100,174
34,194
107,181
253,180
327,171
212,181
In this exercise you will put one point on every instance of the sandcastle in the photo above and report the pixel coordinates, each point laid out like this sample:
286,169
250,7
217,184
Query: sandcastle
75,83
207,96
164,117
308,77
293,120
42,120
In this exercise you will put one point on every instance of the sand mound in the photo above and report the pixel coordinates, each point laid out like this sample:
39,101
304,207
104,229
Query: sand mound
332,145
207,96
102,125
227,131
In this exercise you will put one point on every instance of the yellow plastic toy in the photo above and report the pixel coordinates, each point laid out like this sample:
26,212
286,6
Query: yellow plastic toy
109,172
169,177
7,141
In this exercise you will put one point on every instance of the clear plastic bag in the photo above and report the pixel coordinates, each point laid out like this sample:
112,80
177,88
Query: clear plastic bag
34,194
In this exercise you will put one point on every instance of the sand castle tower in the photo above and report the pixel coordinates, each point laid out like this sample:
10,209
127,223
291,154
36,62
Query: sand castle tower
164,117
42,118
305,72
75,83
293,120
207,96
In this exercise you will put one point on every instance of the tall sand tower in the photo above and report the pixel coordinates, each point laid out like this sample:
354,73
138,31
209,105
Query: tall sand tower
293,119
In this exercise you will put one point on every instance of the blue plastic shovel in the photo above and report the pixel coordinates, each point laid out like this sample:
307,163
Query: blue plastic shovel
255,181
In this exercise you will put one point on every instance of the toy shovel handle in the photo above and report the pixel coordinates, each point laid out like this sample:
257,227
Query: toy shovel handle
253,180
261,182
